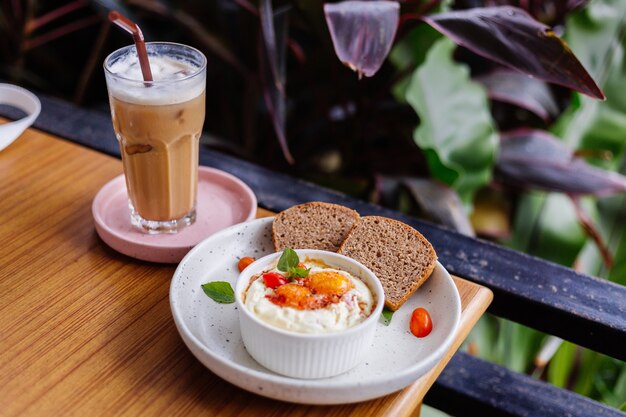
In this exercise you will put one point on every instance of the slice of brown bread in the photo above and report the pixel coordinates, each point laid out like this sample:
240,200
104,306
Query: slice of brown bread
398,254
313,225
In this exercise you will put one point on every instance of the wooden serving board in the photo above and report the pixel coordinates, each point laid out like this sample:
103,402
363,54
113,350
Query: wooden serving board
85,330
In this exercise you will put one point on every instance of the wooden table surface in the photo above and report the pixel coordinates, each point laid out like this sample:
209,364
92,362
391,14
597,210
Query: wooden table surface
87,331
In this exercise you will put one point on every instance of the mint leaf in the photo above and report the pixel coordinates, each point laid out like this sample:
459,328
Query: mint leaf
386,316
298,272
288,260
219,291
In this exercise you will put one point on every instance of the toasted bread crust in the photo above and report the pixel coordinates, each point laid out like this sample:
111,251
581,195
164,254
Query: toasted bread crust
397,253
313,225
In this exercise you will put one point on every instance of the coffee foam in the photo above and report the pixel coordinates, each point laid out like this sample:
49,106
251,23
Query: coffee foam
165,72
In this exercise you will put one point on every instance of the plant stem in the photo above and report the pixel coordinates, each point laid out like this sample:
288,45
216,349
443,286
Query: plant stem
592,231
62,31
92,63
36,23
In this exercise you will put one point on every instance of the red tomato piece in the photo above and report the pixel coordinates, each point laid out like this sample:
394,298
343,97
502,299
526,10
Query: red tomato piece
421,323
274,279
244,262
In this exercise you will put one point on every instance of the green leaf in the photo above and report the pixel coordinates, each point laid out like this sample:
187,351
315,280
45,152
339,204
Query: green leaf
562,364
517,345
546,225
386,316
410,52
589,367
610,382
219,291
619,389
484,336
288,260
456,131
526,343
298,272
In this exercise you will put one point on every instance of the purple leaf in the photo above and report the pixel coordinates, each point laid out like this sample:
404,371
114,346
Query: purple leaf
511,37
272,51
436,201
521,90
362,32
536,159
274,43
441,203
547,11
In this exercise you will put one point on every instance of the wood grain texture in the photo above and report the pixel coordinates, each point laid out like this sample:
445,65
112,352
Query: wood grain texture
85,330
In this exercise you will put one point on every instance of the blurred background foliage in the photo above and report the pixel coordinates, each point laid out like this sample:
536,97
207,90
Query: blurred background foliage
459,135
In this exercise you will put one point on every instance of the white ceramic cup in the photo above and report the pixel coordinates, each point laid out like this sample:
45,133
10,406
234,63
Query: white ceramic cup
302,355
24,100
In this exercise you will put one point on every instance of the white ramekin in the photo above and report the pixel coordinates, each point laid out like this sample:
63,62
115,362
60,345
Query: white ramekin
24,100
302,355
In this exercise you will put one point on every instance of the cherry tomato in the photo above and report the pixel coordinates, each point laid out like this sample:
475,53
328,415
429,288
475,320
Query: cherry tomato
421,323
244,262
274,279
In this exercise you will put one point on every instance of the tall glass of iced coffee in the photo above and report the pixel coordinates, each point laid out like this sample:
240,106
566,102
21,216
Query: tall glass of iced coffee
158,125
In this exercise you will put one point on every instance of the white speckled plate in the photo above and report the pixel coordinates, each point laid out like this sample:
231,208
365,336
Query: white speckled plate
211,330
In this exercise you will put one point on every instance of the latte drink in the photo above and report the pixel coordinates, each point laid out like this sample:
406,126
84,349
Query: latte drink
158,125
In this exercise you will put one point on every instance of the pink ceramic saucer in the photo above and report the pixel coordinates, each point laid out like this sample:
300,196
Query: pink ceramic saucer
223,200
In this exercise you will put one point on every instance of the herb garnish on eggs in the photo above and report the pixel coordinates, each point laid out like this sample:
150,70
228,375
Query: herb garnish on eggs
222,292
